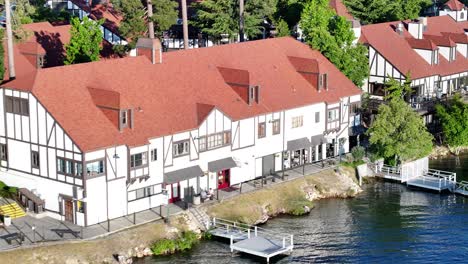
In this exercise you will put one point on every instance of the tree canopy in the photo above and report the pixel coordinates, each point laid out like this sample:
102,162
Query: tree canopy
398,133
454,121
85,41
333,37
395,89
217,17
377,11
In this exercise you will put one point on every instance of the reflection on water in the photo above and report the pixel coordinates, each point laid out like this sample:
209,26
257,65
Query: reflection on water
454,164
387,223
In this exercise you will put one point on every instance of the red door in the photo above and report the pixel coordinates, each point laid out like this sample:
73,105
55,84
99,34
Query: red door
175,193
68,210
223,179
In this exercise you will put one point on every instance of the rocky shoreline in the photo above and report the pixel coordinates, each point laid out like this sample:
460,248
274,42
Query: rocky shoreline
294,197
443,151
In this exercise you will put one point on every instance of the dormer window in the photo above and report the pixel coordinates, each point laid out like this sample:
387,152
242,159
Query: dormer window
435,57
453,53
123,118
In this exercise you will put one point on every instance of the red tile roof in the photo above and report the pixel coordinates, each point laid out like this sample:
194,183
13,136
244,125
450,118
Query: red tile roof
175,95
421,44
340,9
399,52
455,5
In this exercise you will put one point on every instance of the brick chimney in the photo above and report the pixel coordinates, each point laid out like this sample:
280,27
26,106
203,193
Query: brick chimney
151,48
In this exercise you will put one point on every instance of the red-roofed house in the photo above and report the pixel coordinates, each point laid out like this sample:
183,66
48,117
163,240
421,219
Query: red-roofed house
112,19
102,140
339,7
456,9
432,50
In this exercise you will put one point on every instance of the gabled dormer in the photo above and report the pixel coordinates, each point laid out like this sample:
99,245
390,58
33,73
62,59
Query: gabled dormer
113,107
309,69
456,9
239,81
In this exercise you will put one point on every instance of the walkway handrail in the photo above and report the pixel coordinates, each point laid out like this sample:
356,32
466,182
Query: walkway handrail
249,229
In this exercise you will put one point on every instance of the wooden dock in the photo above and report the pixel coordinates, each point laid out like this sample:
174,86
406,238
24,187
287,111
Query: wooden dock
252,240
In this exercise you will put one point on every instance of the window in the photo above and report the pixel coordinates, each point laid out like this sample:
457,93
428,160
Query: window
69,167
261,130
354,109
17,105
3,152
144,192
154,155
181,148
123,118
95,168
214,141
35,159
297,121
332,115
137,160
276,127
317,117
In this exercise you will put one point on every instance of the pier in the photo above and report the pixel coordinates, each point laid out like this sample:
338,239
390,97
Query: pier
252,240
417,174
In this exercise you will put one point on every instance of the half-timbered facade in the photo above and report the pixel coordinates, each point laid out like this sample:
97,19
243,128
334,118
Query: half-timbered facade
432,51
102,140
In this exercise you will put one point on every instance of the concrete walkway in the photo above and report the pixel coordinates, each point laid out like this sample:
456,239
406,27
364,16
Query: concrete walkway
48,229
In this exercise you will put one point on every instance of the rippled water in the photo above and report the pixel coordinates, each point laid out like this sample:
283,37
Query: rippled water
387,223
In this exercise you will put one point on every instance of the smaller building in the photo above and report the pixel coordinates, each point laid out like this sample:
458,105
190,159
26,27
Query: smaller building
456,9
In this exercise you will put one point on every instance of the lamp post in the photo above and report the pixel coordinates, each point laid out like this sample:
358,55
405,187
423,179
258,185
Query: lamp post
166,193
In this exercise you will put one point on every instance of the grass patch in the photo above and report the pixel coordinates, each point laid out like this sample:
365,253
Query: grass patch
352,164
7,191
169,246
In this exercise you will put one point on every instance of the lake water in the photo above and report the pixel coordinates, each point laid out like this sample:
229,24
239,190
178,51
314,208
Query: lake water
388,223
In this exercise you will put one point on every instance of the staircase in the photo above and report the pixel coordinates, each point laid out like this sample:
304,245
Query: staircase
203,220
11,208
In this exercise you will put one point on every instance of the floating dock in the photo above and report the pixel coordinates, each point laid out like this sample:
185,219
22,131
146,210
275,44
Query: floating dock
252,240
428,179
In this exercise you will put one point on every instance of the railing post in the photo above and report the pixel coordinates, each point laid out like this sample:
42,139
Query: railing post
214,221
255,230
292,240
232,242
248,233
284,242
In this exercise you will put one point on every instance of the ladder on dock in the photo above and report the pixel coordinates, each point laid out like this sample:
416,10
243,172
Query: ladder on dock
462,188
252,239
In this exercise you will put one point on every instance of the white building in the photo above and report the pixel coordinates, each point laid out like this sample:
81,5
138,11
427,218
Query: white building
432,50
456,9
102,140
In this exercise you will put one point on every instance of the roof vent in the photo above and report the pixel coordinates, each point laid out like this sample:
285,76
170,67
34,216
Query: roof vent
399,29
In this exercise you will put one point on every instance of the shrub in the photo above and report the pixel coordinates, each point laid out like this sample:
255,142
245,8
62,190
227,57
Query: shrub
168,246
358,153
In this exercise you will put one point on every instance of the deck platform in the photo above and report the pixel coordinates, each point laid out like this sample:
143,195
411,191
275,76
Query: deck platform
462,188
252,240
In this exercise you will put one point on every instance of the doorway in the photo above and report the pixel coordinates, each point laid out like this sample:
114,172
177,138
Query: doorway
175,193
224,179
68,210
268,165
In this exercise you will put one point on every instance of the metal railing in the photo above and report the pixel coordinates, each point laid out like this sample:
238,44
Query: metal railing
250,231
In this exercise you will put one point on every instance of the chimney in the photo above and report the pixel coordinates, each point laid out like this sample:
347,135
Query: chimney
11,58
416,29
151,48
399,29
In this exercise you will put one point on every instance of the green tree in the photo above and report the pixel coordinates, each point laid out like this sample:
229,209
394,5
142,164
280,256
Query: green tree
395,89
85,41
282,28
165,14
290,11
377,11
333,37
398,133
454,120
133,24
217,17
